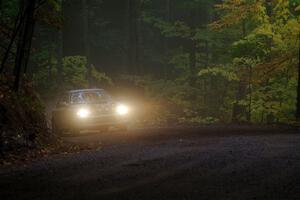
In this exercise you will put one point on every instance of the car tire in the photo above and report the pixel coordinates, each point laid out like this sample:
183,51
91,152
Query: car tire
55,128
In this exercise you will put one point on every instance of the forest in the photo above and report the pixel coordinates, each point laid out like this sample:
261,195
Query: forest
189,62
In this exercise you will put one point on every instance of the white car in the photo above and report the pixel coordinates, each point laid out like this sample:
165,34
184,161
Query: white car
88,109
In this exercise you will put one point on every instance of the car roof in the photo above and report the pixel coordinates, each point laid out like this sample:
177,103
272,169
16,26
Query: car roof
84,90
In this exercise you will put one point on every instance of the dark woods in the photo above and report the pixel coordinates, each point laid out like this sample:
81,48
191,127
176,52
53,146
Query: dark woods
22,122
192,61
21,35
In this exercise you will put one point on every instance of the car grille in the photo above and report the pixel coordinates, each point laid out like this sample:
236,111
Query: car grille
104,110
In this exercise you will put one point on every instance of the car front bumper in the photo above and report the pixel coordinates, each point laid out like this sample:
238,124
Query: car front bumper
99,121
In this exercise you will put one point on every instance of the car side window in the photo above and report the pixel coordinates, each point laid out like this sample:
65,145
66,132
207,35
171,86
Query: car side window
76,98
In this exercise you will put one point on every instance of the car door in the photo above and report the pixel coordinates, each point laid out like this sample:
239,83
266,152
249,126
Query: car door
61,111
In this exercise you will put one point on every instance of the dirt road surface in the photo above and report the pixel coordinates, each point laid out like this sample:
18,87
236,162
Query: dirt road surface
167,163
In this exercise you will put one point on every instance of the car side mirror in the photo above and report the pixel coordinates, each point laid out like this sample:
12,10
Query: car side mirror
62,104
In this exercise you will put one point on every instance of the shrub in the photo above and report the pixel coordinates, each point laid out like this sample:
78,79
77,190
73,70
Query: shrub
22,122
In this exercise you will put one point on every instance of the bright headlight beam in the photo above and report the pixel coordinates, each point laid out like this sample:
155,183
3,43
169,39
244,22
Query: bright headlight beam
122,109
83,113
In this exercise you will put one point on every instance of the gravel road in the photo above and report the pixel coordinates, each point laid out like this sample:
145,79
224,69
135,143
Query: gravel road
167,163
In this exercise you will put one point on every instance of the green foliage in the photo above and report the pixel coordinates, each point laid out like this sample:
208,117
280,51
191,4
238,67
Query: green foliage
100,78
191,69
202,101
175,29
9,10
224,72
46,70
266,56
254,46
176,102
50,12
74,72
253,61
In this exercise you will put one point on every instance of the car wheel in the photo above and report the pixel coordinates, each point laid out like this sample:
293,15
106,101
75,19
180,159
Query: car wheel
55,128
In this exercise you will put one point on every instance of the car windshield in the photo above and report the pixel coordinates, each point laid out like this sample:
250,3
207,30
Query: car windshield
93,97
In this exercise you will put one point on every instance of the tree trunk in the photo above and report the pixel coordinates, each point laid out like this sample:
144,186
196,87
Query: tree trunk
59,57
298,88
3,121
140,38
239,111
29,37
86,39
24,40
50,68
193,63
193,50
133,36
125,47
17,26
166,40
249,115
59,50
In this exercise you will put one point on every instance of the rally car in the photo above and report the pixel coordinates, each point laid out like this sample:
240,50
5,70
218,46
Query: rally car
88,109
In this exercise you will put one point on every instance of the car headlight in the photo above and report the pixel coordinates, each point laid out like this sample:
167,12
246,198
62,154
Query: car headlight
83,113
122,109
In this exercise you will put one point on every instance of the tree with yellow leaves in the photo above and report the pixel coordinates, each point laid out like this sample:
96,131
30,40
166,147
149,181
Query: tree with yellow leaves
267,52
